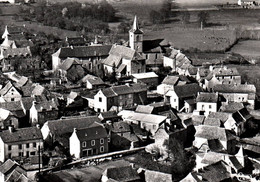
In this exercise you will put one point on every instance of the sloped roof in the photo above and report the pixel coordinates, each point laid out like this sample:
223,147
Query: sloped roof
120,127
215,172
207,97
15,107
108,114
231,107
222,116
92,132
24,51
47,105
27,102
122,173
154,46
38,90
118,52
94,80
224,71
123,89
231,88
170,80
6,88
7,165
213,132
144,109
188,90
83,51
67,63
20,135
212,122
63,126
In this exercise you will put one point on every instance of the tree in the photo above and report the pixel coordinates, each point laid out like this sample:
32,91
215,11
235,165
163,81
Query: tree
203,17
165,10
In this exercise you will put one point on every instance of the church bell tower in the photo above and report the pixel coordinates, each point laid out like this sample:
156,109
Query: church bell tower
136,37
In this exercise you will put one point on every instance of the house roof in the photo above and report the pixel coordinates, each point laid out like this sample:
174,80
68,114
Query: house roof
207,97
224,71
24,51
222,116
63,126
46,106
108,115
15,107
68,62
145,75
216,172
231,107
118,52
76,40
94,80
135,28
170,80
27,102
38,90
83,51
123,89
6,88
122,173
7,165
155,46
213,132
20,135
148,118
235,162
231,88
212,122
92,132
120,127
188,90
144,109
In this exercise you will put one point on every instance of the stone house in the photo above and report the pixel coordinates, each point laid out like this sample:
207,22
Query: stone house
89,141
207,102
20,143
122,96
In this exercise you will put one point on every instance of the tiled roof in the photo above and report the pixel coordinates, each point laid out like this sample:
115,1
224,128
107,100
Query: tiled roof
7,166
188,90
154,45
212,122
231,107
123,89
170,80
24,51
94,131
120,127
122,173
46,106
76,40
27,102
109,114
94,80
224,71
83,51
67,63
118,52
241,88
144,109
38,90
6,88
63,126
213,132
15,107
222,116
207,97
216,172
20,135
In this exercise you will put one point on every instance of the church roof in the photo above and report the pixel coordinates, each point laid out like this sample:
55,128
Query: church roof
135,29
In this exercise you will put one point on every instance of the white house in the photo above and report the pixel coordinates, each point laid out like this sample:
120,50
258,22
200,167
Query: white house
10,93
207,102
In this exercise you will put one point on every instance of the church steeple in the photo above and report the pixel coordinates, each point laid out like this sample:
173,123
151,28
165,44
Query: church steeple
136,37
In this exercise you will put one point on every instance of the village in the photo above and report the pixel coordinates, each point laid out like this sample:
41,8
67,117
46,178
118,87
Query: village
138,111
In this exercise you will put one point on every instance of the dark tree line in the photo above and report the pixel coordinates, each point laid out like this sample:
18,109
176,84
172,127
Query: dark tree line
73,16
163,14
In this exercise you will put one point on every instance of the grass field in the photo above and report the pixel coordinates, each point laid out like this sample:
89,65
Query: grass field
247,48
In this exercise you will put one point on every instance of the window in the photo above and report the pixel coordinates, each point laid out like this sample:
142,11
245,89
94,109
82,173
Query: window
92,142
84,144
12,99
21,154
20,146
129,96
32,153
202,107
108,139
27,154
100,99
10,147
34,144
9,156
102,149
209,106
98,110
154,127
174,100
101,140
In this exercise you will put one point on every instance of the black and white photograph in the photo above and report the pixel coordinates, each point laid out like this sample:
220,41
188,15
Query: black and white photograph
129,90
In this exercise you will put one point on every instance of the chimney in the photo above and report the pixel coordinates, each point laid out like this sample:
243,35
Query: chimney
11,128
